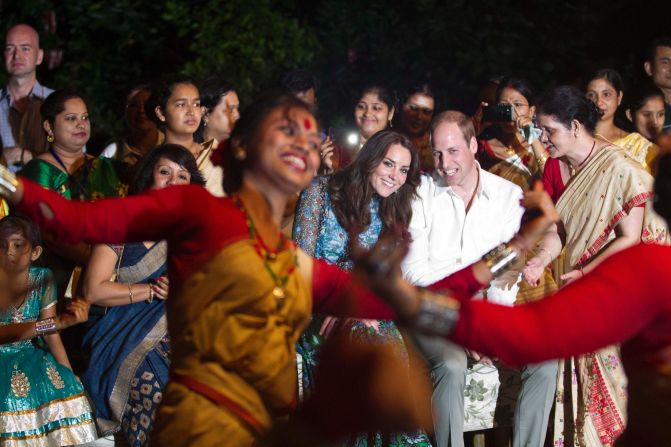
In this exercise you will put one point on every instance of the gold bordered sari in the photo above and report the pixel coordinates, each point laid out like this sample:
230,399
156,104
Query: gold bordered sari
591,399
231,334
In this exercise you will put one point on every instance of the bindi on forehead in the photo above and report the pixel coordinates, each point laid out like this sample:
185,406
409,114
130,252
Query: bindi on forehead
307,124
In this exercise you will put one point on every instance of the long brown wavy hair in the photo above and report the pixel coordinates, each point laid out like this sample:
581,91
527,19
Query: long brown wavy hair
351,191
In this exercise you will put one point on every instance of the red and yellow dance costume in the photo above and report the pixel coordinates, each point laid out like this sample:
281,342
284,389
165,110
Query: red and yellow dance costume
233,335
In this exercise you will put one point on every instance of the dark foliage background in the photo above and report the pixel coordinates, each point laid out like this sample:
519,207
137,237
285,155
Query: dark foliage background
102,47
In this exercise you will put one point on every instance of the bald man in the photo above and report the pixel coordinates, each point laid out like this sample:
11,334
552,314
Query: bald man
20,99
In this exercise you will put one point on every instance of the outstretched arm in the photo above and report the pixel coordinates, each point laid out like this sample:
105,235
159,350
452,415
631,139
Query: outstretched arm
610,305
150,216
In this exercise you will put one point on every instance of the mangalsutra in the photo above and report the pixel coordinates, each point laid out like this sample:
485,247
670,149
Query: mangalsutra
574,169
266,254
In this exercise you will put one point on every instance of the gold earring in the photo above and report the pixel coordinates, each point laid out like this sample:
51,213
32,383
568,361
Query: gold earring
240,154
50,138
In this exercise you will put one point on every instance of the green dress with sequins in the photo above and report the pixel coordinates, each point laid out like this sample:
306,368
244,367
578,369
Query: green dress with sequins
41,401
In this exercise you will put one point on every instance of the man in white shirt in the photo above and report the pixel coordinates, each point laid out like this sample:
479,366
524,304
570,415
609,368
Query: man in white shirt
462,213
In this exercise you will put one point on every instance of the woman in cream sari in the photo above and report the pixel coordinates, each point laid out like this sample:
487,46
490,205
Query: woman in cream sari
605,208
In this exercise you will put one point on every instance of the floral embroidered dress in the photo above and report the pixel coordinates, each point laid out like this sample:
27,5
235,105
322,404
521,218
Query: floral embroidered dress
318,232
41,401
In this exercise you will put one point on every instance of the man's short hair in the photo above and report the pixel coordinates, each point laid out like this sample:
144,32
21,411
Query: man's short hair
462,121
651,50
298,80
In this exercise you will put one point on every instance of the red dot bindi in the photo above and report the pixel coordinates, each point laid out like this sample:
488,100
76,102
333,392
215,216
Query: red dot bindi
307,124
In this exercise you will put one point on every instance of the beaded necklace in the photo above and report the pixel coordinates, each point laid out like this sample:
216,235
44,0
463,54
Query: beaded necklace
266,254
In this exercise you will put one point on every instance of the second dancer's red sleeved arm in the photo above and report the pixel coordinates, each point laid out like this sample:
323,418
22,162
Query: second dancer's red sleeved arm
610,305
461,283
334,294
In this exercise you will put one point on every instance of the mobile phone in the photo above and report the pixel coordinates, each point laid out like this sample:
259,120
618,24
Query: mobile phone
499,113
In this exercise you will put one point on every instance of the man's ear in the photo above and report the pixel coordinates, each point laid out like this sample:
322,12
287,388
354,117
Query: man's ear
473,145
40,56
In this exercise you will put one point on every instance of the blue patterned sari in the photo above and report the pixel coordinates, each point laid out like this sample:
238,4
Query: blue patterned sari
128,350
318,232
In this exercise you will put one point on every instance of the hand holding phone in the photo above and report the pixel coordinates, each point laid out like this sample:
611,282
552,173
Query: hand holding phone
498,113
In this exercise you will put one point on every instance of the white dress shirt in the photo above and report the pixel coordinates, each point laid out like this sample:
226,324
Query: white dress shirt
445,238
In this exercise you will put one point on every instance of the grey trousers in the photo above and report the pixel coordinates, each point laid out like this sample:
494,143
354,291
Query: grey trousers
448,363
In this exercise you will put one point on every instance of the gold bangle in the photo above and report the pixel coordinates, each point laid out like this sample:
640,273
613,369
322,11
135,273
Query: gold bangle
151,294
130,293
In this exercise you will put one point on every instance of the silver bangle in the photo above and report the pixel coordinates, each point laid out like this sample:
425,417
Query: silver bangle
438,314
500,258
8,182
46,326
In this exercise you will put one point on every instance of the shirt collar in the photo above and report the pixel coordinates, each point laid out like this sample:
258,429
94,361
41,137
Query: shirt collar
37,90
484,185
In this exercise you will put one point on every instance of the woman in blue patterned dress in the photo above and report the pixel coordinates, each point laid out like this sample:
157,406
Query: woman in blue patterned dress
126,338
41,401
370,196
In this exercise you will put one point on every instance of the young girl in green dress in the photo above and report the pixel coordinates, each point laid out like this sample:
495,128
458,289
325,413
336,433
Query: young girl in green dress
42,403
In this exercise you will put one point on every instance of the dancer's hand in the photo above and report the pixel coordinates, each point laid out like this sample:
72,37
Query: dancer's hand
380,270
538,203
